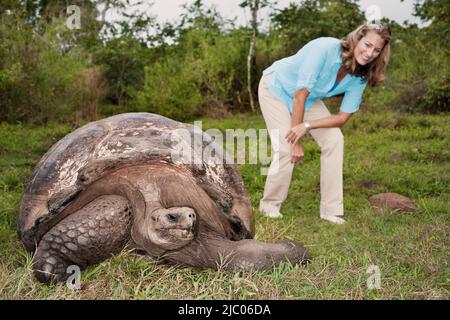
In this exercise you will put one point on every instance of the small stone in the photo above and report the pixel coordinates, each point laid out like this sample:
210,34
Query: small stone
393,201
71,234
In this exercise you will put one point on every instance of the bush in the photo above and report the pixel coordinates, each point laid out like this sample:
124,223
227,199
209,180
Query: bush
39,82
418,75
200,74
123,60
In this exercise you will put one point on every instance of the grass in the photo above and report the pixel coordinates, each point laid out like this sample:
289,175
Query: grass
384,152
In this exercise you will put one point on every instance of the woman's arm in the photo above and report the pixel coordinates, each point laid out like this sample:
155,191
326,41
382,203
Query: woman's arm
299,107
298,128
335,120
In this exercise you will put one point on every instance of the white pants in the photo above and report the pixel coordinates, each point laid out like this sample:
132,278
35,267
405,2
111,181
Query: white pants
330,140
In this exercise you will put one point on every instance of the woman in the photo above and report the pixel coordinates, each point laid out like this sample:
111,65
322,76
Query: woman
290,94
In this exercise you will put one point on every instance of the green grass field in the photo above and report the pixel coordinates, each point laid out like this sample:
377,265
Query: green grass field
385,152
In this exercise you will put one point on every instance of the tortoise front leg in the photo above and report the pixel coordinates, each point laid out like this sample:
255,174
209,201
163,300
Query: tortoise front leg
258,255
86,237
213,251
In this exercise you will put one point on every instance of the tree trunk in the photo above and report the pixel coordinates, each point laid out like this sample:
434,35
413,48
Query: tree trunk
251,53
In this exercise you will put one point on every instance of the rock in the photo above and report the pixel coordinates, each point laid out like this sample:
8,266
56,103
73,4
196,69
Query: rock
393,201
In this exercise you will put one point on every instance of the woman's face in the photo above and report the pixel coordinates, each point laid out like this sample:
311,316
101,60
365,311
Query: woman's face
368,48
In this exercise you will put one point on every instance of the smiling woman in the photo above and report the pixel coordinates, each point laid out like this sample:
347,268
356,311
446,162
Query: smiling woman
290,95
366,52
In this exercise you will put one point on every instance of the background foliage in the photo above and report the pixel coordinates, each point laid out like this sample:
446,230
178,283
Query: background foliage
194,66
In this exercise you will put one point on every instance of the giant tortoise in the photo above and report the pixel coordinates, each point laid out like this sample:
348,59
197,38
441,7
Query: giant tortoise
138,179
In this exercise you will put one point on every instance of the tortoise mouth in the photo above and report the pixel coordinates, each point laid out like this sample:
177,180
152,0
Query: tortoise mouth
178,232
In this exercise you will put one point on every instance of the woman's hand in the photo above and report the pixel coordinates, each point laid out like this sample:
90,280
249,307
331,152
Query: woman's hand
297,153
296,133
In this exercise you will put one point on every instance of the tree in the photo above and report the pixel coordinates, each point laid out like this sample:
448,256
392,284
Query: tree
301,23
436,85
438,13
254,6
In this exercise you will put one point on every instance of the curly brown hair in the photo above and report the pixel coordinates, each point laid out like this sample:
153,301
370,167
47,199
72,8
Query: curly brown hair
374,71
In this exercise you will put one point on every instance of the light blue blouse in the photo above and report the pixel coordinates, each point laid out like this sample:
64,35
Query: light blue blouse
315,67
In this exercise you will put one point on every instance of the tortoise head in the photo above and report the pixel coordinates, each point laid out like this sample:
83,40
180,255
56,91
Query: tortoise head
170,228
